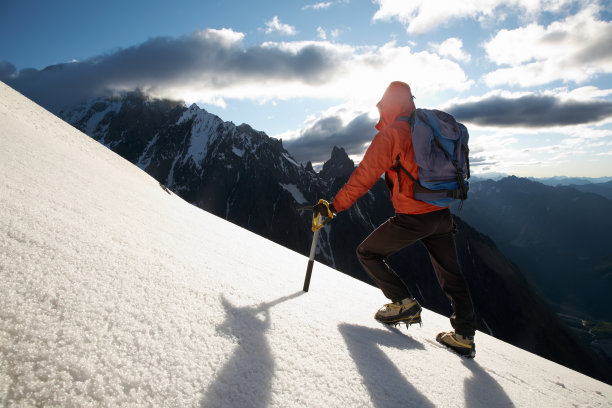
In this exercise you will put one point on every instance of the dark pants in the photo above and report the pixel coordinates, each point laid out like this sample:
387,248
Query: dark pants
435,230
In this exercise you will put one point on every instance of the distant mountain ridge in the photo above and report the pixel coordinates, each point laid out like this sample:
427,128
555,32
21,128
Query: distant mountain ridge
603,189
549,181
248,178
559,236
570,181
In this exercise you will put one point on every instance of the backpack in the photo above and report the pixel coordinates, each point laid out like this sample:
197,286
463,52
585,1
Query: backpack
441,154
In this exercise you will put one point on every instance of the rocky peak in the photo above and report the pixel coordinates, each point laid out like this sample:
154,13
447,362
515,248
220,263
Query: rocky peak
339,165
309,167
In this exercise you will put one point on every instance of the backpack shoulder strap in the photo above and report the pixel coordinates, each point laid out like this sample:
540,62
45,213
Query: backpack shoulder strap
397,166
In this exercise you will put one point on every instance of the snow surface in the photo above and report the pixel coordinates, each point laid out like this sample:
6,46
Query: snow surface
115,293
295,192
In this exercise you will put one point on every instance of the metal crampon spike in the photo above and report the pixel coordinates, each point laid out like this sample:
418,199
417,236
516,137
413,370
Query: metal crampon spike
408,324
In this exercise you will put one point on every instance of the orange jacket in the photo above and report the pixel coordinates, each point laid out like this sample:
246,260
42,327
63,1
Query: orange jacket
394,139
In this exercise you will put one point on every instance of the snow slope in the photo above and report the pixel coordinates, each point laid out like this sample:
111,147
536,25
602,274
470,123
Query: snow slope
115,293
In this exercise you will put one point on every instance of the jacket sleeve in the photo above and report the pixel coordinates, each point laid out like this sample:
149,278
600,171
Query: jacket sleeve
377,160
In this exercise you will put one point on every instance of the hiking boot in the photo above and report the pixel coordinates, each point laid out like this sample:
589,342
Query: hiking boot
405,311
462,345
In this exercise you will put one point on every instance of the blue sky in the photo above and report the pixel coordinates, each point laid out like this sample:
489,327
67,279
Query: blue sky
532,79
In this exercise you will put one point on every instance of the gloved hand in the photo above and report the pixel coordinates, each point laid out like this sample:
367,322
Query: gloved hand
324,209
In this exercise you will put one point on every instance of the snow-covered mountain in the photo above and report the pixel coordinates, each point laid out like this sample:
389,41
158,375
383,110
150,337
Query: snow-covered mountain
215,165
248,178
115,293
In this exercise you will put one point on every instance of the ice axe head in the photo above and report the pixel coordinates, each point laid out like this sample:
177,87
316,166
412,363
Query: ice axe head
317,220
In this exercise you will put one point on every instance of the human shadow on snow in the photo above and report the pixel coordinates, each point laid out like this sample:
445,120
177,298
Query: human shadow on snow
387,386
481,390
246,378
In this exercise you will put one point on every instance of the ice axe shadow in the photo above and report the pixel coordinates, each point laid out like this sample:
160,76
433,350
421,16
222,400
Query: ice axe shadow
246,377
250,316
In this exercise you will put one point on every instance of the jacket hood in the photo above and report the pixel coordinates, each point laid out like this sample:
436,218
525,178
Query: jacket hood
397,101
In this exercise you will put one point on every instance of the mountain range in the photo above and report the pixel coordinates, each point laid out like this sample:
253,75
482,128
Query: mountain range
558,236
571,181
248,178
603,189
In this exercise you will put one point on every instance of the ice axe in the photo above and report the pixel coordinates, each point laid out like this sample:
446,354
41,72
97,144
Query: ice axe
317,224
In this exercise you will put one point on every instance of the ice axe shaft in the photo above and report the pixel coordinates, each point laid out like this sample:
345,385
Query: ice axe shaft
313,249
317,224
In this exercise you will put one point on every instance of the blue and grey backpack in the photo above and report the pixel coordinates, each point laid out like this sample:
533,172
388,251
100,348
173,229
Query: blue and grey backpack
441,154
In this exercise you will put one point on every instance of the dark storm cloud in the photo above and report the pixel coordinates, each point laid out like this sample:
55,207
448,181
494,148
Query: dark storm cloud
210,59
531,111
316,143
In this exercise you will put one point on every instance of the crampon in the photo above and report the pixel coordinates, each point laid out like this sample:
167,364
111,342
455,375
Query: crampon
407,322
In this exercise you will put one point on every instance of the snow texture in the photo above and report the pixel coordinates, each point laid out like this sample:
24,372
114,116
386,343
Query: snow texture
203,126
115,293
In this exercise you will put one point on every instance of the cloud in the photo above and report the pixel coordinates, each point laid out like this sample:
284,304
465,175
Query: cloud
324,5
573,50
321,33
318,6
572,150
531,110
370,74
316,141
452,48
205,63
211,66
514,147
275,25
422,16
